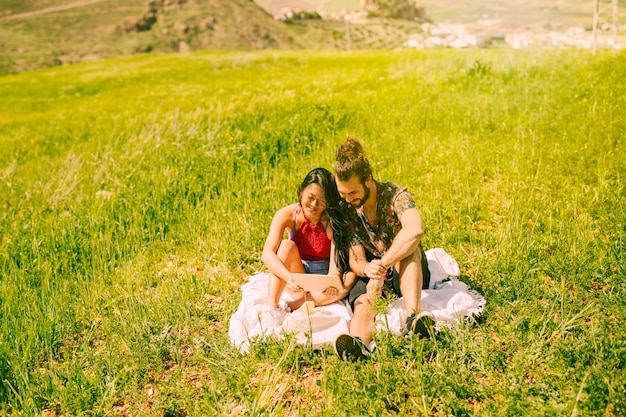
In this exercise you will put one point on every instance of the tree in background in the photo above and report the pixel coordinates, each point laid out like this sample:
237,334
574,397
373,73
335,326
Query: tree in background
394,9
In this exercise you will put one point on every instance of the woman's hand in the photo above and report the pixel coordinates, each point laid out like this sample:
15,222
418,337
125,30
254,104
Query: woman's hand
331,292
293,287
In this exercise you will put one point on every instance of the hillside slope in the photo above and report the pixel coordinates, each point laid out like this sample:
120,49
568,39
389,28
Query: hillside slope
92,29
42,33
514,13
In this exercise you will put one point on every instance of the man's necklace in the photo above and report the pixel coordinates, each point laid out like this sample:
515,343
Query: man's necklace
370,224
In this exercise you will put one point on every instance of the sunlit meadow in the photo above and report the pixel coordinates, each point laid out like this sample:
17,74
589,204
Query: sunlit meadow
135,195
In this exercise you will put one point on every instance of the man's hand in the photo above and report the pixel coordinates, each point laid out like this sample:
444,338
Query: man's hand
374,270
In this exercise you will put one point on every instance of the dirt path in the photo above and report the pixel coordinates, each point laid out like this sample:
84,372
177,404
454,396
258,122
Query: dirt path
48,10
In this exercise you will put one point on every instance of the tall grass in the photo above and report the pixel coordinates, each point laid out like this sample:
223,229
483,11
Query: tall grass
136,194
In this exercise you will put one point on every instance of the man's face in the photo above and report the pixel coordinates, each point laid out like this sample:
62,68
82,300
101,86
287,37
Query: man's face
353,191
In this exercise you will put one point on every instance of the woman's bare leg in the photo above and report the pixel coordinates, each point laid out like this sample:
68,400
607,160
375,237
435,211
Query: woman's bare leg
289,254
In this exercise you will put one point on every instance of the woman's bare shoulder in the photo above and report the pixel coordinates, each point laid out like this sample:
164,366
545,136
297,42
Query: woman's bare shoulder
286,212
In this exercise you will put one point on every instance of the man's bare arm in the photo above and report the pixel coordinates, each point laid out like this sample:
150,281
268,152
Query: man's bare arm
407,240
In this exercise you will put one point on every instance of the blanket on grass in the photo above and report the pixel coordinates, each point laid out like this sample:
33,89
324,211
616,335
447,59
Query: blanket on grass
448,299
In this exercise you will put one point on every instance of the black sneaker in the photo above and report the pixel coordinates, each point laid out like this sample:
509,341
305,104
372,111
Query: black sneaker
350,348
422,325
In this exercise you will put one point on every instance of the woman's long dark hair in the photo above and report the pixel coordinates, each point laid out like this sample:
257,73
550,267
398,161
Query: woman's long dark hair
341,233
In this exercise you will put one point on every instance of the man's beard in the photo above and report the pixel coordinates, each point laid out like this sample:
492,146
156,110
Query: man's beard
361,200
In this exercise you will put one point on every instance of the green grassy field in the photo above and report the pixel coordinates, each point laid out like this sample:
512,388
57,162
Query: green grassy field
552,14
135,196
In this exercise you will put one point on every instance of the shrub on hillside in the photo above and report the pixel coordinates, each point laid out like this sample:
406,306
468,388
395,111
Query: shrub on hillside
301,15
396,9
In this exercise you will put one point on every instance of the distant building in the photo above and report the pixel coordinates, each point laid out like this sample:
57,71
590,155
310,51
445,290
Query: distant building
447,35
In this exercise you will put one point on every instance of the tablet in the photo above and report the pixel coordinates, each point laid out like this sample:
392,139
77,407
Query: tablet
316,282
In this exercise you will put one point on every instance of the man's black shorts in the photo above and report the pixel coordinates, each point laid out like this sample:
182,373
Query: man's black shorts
391,285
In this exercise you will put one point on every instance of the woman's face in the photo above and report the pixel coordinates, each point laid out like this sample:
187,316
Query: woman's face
312,200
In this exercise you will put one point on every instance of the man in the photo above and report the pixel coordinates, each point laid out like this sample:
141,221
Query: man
385,250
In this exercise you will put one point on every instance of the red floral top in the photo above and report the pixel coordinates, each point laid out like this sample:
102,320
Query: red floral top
311,240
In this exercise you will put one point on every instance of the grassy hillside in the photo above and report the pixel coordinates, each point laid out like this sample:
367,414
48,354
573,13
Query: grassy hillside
42,33
94,31
36,34
539,14
136,193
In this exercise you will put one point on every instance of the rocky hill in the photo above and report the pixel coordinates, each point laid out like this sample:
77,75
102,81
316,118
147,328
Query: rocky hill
42,33
95,29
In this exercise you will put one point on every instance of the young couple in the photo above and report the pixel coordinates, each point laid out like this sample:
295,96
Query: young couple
364,231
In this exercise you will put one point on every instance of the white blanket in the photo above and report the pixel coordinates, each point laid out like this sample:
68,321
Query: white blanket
449,300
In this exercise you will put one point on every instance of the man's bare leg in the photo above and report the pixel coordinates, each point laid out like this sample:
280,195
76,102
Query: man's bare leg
411,279
362,323
410,270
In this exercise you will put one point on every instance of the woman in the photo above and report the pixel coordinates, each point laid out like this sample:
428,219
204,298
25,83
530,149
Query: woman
310,247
